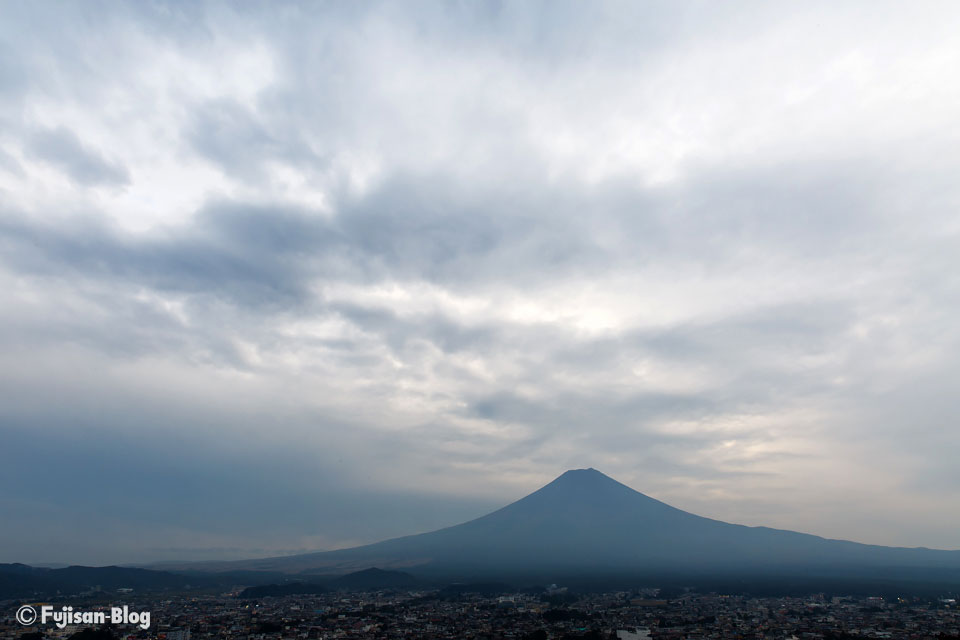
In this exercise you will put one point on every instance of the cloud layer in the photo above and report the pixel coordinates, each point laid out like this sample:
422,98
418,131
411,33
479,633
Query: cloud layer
305,275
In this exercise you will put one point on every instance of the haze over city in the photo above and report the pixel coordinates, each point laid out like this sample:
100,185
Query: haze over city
293,277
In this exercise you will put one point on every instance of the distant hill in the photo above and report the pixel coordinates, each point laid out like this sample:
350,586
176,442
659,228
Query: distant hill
279,590
23,581
19,580
375,578
585,521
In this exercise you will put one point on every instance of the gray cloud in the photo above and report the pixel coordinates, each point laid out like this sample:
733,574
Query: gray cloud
62,148
372,265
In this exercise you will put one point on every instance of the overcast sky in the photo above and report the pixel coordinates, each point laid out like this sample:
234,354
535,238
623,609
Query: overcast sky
280,277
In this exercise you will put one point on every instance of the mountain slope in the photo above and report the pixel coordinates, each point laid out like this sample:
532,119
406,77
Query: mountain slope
585,520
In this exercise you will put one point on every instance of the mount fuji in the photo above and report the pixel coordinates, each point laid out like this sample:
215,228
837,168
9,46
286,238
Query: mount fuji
584,521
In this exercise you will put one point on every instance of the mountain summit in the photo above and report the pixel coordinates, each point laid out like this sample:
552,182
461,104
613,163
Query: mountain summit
587,521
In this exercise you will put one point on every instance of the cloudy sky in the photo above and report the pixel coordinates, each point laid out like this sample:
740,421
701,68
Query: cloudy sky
280,276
